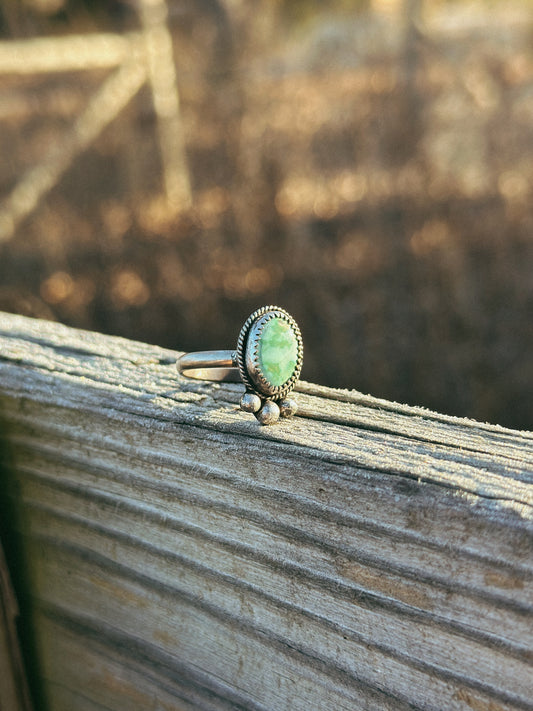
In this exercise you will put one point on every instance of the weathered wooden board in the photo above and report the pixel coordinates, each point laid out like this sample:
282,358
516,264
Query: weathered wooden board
365,555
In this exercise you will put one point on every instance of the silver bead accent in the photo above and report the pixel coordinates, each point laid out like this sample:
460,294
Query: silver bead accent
268,414
288,407
250,402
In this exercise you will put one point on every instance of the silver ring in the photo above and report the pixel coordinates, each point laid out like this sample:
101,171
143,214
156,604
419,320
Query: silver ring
268,360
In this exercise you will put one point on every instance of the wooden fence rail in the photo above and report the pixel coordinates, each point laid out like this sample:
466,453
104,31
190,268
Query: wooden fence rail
365,555
135,57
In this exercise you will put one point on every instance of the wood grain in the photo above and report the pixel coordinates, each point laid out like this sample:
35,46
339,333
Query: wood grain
366,555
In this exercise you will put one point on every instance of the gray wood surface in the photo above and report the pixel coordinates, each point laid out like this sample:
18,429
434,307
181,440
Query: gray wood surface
365,555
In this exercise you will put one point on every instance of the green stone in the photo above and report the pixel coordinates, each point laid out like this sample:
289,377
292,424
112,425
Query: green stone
277,351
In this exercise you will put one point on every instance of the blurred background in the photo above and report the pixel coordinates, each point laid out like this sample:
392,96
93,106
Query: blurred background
168,167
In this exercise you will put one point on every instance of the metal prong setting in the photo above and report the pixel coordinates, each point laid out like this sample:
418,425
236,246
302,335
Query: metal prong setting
268,402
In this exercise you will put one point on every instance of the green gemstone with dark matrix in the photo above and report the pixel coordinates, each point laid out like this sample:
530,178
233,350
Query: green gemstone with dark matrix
277,351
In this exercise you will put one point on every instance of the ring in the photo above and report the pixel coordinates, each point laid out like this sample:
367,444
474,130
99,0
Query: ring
268,360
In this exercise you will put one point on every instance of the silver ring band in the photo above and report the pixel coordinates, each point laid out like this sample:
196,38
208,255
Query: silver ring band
210,365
